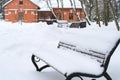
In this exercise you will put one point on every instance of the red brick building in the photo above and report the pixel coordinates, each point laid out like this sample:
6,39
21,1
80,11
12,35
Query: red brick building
32,11
68,14
21,10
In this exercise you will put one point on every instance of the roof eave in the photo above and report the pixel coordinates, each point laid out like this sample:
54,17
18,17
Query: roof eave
6,3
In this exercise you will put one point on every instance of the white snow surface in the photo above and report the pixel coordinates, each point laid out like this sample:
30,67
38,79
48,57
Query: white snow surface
19,41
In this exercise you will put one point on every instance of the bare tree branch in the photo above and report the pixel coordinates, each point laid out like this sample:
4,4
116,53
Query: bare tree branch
114,16
84,12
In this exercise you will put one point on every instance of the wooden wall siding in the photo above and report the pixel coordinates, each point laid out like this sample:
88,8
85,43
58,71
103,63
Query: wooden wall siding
67,12
26,11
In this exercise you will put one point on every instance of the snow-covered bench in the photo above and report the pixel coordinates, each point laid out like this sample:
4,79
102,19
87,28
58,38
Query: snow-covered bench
78,57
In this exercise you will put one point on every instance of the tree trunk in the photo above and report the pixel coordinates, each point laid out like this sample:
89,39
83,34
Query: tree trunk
58,3
51,9
90,10
62,10
74,9
105,12
113,14
84,12
97,13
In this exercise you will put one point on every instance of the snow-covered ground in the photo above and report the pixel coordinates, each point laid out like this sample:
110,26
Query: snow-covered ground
18,42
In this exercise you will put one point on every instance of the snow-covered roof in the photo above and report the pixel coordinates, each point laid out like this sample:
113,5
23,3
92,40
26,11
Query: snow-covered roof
12,0
53,4
42,4
44,7
66,3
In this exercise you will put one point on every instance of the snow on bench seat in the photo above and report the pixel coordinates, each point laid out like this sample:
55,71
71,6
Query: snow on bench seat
68,62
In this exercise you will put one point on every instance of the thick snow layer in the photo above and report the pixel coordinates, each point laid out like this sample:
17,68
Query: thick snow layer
66,4
42,4
67,58
88,40
19,41
84,40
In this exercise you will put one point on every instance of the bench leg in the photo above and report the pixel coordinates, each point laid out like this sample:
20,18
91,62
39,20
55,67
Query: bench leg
107,76
36,59
72,76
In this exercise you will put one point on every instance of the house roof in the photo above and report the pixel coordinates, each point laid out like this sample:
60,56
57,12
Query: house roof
66,4
12,0
44,7
42,4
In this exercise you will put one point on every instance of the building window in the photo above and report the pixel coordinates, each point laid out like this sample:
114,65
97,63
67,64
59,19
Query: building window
71,16
21,3
41,15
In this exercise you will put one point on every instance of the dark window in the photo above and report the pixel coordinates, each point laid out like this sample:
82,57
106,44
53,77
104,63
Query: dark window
41,15
20,2
71,16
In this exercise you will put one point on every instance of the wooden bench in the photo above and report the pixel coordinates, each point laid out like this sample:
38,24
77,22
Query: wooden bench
74,61
78,24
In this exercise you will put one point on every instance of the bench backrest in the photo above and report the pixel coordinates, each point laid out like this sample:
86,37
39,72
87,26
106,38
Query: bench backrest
102,58
107,59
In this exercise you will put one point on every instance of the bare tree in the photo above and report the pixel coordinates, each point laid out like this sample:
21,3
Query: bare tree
62,6
97,13
91,8
107,4
85,13
113,14
50,7
58,3
73,5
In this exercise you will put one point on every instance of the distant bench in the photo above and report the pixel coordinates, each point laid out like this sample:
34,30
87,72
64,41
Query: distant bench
78,24
73,61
